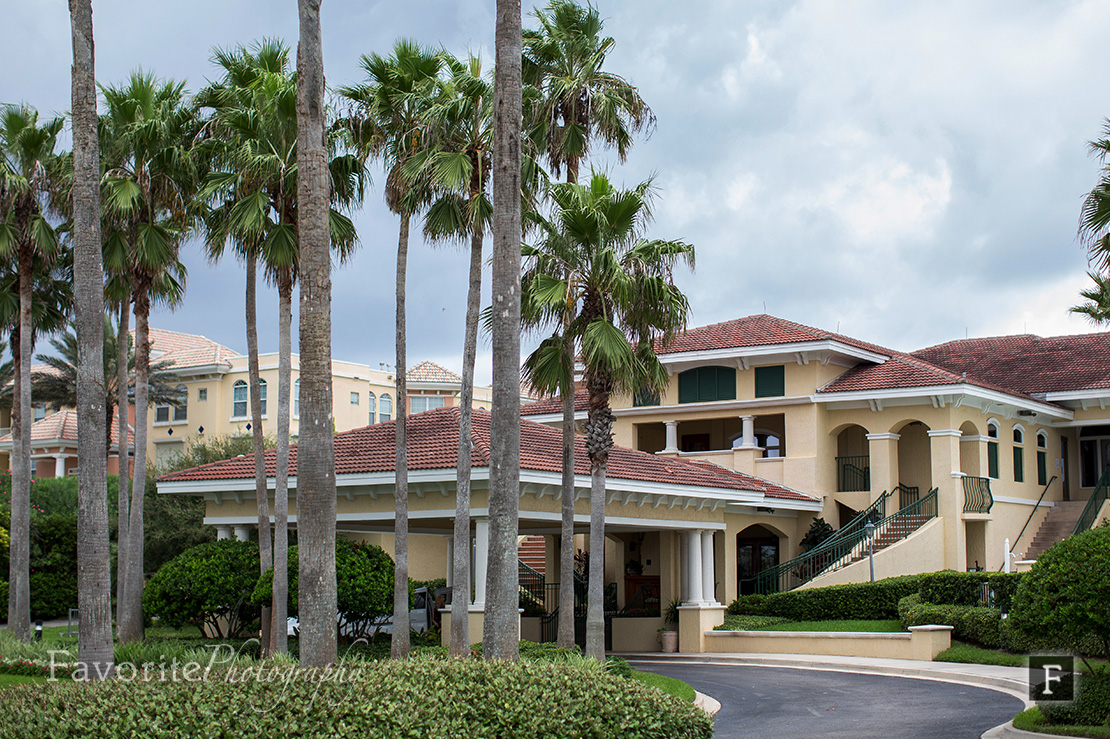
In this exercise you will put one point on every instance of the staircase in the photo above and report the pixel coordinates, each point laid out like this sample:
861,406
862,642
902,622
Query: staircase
1058,525
898,530
532,551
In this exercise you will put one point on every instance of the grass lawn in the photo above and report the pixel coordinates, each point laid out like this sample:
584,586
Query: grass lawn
1031,719
970,653
668,685
7,681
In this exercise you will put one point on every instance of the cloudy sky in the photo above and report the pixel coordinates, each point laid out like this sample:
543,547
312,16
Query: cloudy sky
907,172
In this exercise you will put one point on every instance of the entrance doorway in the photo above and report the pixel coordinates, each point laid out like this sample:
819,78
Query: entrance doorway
757,549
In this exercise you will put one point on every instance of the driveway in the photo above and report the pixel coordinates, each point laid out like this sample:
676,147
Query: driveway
786,702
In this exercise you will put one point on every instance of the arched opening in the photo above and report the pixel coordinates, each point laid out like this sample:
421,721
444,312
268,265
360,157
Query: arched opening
757,549
915,462
853,460
969,450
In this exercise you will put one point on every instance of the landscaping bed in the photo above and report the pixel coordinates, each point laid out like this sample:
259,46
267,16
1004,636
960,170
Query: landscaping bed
423,697
1032,719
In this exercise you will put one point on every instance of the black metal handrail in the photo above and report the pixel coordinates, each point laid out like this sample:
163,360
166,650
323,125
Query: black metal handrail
853,474
530,579
977,495
1094,504
1031,514
907,494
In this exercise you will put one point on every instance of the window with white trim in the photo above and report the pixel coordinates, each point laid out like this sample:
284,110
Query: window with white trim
1019,454
992,450
421,403
372,406
239,399
354,398
385,408
297,399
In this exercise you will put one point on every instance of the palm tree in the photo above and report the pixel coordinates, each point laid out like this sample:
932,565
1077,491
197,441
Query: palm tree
151,176
456,164
1097,307
592,256
254,187
60,386
1094,219
94,644
28,180
389,125
578,102
499,634
316,448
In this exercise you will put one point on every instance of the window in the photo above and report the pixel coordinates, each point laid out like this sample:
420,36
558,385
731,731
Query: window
181,412
771,443
645,397
297,398
239,399
704,384
1019,455
202,395
354,398
1042,458
162,414
386,410
421,403
992,450
262,395
372,404
770,382
39,413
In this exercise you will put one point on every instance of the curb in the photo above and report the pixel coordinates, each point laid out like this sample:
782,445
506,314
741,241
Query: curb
706,703
1008,731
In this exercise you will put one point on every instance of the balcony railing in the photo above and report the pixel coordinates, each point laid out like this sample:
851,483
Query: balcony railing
1094,504
853,474
977,495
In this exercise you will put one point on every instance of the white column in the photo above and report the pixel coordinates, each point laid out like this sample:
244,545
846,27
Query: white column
60,465
223,532
672,436
242,533
450,560
481,558
748,426
684,565
694,556
707,579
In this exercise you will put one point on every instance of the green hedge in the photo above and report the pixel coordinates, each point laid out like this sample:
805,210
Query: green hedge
964,588
453,698
877,600
1091,706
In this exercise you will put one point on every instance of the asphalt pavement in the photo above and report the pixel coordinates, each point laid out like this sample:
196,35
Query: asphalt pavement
758,701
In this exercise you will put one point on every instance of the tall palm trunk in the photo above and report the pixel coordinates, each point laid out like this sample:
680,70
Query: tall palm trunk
501,629
316,450
131,627
123,447
599,440
460,599
94,596
19,592
399,647
280,609
566,553
261,494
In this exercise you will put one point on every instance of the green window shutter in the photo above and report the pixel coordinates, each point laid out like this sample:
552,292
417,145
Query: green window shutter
1042,468
992,459
726,383
688,386
770,382
1019,464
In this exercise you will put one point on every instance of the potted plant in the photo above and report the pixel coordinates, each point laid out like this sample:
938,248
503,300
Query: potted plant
668,632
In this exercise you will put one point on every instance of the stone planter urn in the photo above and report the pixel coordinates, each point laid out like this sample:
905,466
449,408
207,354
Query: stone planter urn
669,640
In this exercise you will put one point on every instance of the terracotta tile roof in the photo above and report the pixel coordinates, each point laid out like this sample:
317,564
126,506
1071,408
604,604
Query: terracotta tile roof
188,350
63,425
759,330
428,371
555,405
1027,363
433,441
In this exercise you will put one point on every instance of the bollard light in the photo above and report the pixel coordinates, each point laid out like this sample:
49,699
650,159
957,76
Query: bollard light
38,630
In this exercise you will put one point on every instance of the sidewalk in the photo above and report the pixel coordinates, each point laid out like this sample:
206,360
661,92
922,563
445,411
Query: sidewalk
1011,680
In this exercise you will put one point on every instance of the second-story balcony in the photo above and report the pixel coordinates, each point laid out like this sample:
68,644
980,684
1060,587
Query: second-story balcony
853,474
977,495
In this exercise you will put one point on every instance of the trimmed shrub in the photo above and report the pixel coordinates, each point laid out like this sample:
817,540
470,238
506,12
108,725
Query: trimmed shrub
749,623
1065,597
52,594
208,586
975,624
966,588
877,600
469,698
1091,706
